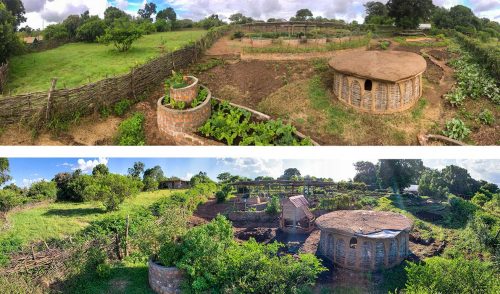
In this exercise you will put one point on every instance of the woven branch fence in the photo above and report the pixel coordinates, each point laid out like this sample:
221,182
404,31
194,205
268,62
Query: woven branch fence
40,107
4,71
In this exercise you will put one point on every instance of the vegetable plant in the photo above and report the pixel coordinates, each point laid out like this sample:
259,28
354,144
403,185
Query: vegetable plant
486,117
456,129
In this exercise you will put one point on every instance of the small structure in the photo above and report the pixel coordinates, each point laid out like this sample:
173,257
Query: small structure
175,184
295,215
364,240
379,82
413,189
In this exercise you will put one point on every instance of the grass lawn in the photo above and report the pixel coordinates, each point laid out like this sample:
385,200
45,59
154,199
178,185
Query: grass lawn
57,220
78,63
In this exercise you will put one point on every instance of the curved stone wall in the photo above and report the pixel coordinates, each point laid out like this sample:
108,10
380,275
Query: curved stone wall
362,253
164,280
189,120
186,94
377,97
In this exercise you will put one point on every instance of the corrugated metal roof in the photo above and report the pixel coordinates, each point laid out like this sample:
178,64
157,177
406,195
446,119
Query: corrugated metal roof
299,201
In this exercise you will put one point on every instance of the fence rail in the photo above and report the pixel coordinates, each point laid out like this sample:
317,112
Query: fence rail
40,107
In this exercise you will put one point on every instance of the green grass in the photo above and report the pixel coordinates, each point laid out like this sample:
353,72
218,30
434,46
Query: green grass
57,220
356,43
78,63
417,112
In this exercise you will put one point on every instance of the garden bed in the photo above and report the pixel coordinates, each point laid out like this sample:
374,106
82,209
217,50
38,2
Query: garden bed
164,280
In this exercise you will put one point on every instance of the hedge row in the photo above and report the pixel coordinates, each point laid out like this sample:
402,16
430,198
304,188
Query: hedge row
489,57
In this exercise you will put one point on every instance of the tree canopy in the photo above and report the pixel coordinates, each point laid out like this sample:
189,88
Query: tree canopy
16,8
239,18
408,14
148,11
366,172
303,14
167,14
290,174
399,174
4,171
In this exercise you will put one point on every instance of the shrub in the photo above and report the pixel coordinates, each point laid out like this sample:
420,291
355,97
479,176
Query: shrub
480,199
223,194
486,117
56,32
122,33
147,27
131,131
91,30
150,184
440,275
273,207
9,199
461,210
43,191
170,253
103,270
238,35
456,129
162,25
456,97
122,106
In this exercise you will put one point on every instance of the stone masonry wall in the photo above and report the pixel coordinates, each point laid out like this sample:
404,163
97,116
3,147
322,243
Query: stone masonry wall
165,280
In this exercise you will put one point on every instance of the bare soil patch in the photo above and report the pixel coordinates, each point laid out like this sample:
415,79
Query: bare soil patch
247,83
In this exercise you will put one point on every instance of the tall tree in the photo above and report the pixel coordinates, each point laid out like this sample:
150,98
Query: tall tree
290,173
167,14
155,173
408,14
4,171
303,14
399,174
112,13
100,170
433,184
137,170
460,182
366,172
148,11
9,42
72,23
16,8
377,13
239,18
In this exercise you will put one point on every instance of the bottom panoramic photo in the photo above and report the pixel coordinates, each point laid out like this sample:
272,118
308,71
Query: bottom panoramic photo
247,225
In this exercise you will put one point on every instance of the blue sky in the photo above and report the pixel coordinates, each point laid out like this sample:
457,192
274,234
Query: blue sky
25,171
43,12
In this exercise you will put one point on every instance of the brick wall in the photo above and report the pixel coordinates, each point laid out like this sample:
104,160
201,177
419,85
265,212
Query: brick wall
186,94
189,120
165,280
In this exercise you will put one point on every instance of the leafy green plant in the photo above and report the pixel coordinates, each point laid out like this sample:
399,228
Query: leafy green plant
122,106
273,207
103,270
456,97
122,33
486,117
232,125
456,129
131,131
176,81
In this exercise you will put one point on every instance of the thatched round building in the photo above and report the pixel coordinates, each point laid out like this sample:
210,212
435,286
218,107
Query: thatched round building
364,240
379,82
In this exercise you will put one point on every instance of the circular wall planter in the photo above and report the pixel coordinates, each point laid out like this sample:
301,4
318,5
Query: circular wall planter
186,94
188,120
164,280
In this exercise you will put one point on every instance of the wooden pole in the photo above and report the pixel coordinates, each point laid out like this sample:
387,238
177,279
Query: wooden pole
49,99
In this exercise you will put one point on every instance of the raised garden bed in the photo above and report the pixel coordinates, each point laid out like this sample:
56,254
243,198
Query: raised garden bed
164,280
183,89
232,124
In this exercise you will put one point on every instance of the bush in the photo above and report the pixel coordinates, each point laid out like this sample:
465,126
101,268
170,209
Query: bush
224,193
488,57
103,270
461,210
480,199
91,30
122,34
56,32
147,27
456,97
122,106
440,275
273,207
150,184
238,35
162,25
131,131
9,199
456,129
43,191
170,253
486,117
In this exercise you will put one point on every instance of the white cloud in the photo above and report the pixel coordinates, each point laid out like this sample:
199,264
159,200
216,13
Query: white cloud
481,169
88,166
29,182
187,177
253,167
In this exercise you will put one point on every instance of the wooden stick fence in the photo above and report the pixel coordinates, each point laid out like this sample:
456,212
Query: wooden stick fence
40,107
4,71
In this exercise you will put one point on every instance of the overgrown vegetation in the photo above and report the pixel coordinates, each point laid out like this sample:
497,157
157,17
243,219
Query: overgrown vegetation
131,131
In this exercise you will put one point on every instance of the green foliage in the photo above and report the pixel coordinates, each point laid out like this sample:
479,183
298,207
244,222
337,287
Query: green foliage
232,125
150,184
214,261
456,97
238,35
213,62
103,270
210,22
398,174
162,25
486,117
170,253
9,42
366,172
43,191
122,33
408,14
223,194
90,30
439,275
131,131
10,199
433,184
4,170
461,210
456,129
56,32
176,81
480,199
121,107
273,207
100,170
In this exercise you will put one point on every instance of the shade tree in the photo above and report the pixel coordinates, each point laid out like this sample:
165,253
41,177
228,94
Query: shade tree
408,14
148,11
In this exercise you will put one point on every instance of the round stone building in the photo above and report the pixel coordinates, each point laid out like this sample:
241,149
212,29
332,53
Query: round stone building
379,82
364,240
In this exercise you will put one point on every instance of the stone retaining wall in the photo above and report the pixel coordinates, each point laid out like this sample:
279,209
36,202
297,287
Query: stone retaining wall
189,120
164,280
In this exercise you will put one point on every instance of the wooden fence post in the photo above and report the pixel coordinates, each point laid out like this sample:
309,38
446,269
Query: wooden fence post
49,99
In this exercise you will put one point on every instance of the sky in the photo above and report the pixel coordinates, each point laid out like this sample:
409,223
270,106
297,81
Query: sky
26,171
43,12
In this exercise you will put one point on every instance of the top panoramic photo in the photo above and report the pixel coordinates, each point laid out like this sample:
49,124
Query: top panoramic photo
250,73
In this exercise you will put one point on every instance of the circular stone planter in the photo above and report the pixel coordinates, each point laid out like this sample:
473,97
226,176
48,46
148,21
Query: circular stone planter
188,120
164,280
186,94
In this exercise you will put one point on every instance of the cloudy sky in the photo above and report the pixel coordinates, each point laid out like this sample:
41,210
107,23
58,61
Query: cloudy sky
26,171
43,12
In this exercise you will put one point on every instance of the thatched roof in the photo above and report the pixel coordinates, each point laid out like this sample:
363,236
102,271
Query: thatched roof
363,222
390,66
